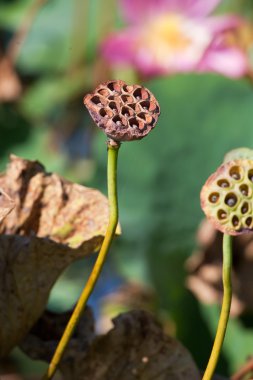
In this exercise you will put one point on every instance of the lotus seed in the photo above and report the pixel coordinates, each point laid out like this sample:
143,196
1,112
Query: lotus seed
223,183
214,198
231,202
235,221
244,209
248,221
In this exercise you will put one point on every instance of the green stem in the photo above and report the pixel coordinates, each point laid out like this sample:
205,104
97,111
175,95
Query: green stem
225,310
113,149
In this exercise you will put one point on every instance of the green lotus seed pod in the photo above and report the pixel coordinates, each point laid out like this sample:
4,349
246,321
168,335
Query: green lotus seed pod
227,197
238,154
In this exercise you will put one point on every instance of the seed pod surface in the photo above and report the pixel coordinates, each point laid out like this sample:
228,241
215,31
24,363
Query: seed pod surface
227,197
124,112
239,154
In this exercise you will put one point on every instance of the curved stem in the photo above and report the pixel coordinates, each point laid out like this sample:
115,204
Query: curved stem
225,310
113,221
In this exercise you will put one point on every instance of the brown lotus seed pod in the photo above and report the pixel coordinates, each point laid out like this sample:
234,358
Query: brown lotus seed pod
227,197
123,112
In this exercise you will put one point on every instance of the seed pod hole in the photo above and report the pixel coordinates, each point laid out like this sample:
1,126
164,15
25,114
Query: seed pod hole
142,115
131,105
113,86
141,94
125,111
110,85
134,123
234,172
113,106
245,208
96,100
223,183
145,105
111,97
235,221
214,197
221,214
103,113
146,117
231,199
244,190
125,88
117,120
103,92
248,221
127,98
250,175
137,94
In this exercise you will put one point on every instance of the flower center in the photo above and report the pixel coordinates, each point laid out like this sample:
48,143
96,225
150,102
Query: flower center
172,40
167,30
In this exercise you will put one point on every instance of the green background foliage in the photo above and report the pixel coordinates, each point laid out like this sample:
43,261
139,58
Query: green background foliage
160,177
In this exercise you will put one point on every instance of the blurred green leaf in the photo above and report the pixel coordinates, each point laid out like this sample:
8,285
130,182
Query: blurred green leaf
47,45
11,13
62,32
49,93
37,147
243,7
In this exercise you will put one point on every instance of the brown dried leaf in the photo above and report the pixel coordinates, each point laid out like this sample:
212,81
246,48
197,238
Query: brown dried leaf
50,207
54,223
6,205
41,342
10,86
136,348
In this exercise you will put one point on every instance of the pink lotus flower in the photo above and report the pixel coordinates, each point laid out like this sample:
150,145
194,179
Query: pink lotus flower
169,36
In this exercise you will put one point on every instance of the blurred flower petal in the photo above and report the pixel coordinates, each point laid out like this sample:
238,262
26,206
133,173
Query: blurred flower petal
223,23
170,36
135,11
225,60
197,8
171,43
119,47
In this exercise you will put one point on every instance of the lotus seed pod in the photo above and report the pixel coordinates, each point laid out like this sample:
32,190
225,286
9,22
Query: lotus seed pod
123,112
227,197
238,154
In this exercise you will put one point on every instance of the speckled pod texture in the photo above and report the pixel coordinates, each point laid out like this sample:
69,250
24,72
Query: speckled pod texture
123,112
227,197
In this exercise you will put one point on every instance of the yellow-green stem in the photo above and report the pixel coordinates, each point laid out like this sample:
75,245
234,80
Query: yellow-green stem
225,309
113,221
